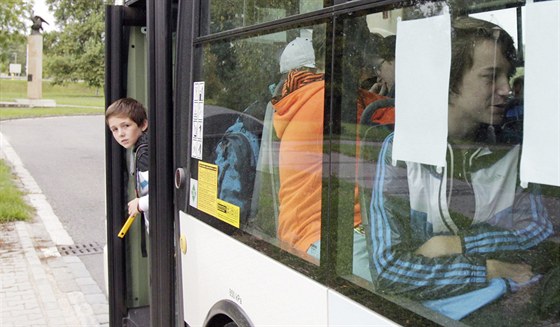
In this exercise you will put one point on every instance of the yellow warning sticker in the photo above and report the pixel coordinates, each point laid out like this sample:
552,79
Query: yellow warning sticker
208,196
228,213
207,187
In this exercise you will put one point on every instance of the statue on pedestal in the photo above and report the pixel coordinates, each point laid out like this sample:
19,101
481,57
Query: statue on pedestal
37,26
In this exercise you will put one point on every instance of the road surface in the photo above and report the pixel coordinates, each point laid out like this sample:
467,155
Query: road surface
65,156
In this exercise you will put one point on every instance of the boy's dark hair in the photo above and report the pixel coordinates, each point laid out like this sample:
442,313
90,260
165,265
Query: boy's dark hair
388,47
466,33
518,81
128,107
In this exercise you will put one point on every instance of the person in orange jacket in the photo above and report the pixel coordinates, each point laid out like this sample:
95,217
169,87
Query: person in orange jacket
298,122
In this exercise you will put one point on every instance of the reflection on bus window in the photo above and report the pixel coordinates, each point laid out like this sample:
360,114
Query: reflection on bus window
275,82
229,14
465,240
298,123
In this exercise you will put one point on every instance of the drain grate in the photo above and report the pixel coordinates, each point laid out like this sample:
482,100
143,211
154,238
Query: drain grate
80,249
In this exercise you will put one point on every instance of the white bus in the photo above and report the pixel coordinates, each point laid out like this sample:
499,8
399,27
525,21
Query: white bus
338,163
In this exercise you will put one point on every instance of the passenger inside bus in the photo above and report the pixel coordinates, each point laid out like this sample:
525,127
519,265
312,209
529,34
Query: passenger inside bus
384,67
379,100
514,110
368,76
300,157
461,237
512,128
298,123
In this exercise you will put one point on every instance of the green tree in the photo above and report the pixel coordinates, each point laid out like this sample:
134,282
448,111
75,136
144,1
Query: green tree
14,16
76,51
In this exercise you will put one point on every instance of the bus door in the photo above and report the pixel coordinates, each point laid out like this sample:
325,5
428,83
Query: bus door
127,257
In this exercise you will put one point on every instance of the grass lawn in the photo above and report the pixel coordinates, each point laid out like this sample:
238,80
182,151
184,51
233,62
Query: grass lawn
72,99
12,205
15,113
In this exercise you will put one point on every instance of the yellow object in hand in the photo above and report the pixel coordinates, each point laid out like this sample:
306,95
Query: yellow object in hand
126,225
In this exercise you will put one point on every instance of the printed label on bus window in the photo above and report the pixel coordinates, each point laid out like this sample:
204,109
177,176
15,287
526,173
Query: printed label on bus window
207,194
197,120
207,187
228,213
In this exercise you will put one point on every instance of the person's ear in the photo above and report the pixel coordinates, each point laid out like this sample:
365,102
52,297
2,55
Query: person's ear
144,125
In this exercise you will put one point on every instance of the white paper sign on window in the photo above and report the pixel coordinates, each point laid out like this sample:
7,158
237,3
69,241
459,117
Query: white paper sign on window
423,58
540,158
197,120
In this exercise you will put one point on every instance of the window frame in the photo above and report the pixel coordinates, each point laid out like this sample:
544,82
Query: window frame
333,16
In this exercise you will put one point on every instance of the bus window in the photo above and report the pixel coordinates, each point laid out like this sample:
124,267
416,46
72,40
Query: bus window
268,90
367,82
230,14
286,122
466,241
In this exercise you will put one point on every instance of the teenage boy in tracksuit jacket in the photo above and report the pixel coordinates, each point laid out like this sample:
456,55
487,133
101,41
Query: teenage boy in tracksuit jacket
458,236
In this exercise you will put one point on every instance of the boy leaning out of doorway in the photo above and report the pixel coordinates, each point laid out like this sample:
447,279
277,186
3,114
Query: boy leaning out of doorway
128,122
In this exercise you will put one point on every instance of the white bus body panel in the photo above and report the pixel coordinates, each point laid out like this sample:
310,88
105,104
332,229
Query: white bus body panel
344,312
270,293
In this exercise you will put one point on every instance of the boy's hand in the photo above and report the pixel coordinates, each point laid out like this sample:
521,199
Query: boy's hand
133,207
518,272
440,246
379,88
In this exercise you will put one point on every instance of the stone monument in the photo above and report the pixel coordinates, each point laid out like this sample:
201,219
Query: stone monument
35,67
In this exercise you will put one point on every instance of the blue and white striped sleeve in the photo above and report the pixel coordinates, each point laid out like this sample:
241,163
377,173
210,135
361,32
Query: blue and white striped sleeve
536,227
396,269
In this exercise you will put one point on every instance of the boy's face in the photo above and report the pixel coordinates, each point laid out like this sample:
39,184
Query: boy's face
385,70
484,88
125,131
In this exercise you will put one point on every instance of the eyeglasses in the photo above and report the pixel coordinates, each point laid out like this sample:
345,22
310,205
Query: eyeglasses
377,67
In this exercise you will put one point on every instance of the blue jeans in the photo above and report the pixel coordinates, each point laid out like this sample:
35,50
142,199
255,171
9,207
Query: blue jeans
360,263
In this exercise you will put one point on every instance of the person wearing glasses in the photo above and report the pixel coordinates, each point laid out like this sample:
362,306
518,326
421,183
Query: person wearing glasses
379,99
384,68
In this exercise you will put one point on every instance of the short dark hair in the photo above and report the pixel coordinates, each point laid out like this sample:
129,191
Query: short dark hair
128,107
387,49
518,81
371,47
466,33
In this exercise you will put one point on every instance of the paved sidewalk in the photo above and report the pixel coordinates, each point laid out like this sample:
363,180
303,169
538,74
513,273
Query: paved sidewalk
39,287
